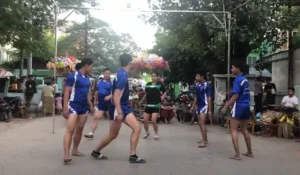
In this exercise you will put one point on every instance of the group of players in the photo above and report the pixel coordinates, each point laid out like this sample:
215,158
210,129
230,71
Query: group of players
112,98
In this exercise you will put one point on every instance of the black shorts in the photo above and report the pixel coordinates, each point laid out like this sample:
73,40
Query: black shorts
150,110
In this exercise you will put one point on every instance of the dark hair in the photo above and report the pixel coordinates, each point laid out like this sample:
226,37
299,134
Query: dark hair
86,61
201,73
240,65
30,76
78,66
48,83
292,89
125,59
106,69
156,73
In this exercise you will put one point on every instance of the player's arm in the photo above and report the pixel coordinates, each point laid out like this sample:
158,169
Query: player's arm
120,85
194,104
108,97
90,100
68,89
235,91
117,102
231,101
96,97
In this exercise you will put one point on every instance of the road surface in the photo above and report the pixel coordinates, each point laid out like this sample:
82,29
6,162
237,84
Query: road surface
31,149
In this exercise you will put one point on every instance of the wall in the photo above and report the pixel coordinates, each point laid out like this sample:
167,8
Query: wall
296,67
280,74
279,78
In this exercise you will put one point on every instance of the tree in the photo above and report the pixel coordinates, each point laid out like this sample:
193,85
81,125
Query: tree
199,40
33,19
104,45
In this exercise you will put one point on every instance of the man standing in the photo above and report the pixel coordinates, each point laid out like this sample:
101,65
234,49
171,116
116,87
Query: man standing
120,112
240,113
155,93
203,99
30,89
102,100
77,103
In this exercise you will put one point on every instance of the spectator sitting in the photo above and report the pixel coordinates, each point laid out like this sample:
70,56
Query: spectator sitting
290,101
181,111
167,112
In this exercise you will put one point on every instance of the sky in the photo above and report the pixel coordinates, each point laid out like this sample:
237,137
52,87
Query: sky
123,22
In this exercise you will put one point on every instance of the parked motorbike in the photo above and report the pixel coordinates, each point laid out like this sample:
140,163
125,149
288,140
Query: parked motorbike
4,111
14,103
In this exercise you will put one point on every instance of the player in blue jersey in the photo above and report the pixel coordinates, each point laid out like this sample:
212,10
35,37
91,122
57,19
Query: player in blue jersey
77,104
241,109
102,100
120,112
204,105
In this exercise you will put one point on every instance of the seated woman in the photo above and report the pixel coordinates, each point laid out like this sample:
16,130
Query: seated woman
181,112
166,111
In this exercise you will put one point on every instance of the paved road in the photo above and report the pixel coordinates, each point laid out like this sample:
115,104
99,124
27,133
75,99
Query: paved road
31,149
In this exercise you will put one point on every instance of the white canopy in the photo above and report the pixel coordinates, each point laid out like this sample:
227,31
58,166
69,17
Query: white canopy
264,73
4,73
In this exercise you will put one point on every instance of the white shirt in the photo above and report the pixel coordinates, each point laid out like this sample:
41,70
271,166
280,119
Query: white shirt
290,102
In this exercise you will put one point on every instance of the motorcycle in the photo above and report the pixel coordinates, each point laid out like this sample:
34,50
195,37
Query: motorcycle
5,113
14,104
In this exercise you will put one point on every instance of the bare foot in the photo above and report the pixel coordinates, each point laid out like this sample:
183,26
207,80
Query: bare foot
201,141
78,154
235,157
67,159
248,155
202,145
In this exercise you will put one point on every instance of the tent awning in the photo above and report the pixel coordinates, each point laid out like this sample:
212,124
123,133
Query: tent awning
5,73
265,72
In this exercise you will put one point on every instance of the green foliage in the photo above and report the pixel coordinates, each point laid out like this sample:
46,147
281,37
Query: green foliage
19,23
104,45
192,41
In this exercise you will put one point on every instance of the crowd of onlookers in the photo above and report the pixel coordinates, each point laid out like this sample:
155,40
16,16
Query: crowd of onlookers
178,107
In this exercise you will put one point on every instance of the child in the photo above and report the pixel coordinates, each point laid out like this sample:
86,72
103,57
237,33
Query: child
58,104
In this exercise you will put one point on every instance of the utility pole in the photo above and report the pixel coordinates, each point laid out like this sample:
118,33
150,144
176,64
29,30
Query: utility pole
86,35
29,59
290,51
21,50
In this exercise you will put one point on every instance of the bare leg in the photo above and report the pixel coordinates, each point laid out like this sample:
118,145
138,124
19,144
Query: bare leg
211,121
146,124
193,120
115,127
154,123
131,121
201,122
247,138
94,125
234,136
70,128
98,116
78,135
